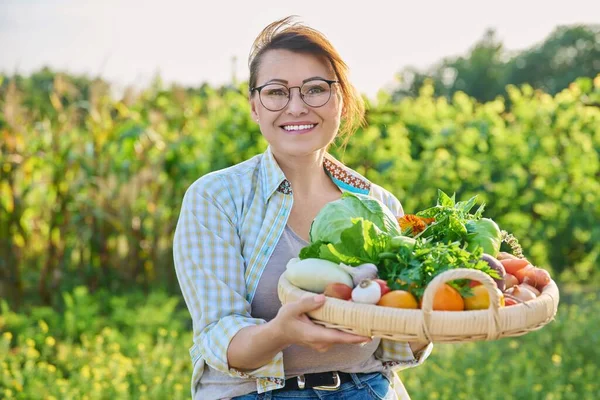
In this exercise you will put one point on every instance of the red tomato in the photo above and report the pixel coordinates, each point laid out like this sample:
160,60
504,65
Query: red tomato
383,285
473,283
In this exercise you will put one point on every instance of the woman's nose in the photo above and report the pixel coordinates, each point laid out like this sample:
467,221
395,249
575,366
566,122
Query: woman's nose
296,105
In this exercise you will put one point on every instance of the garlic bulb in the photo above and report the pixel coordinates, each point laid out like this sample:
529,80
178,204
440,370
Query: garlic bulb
366,292
360,273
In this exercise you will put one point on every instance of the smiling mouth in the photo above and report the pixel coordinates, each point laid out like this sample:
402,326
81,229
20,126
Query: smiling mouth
298,128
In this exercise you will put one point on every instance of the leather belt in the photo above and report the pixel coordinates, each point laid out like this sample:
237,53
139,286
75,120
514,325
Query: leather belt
320,381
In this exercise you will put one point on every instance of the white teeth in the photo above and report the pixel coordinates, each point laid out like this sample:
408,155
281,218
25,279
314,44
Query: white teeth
297,127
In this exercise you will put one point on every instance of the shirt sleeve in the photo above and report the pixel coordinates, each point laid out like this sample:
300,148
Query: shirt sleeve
397,356
210,270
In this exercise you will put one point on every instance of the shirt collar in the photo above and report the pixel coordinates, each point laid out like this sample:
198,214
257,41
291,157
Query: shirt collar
346,179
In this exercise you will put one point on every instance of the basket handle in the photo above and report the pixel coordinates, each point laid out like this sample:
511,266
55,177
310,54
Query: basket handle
462,273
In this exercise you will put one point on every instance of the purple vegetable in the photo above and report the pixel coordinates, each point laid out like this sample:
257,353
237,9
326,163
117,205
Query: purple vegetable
496,265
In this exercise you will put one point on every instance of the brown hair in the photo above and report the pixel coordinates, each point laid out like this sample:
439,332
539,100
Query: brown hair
293,36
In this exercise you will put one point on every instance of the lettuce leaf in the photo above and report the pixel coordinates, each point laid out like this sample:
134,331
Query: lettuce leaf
361,243
337,216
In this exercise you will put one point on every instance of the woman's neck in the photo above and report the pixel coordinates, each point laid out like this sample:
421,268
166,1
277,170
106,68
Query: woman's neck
306,174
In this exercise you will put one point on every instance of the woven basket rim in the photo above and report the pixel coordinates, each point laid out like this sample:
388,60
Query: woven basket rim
436,326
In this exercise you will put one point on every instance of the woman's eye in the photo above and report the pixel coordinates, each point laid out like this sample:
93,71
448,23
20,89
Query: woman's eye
276,92
315,90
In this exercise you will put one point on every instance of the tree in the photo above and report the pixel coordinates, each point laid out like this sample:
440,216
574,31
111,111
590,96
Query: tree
568,53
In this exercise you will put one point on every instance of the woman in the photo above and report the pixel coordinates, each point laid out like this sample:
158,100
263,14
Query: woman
239,226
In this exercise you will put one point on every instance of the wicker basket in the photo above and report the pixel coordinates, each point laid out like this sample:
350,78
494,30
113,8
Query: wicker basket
433,326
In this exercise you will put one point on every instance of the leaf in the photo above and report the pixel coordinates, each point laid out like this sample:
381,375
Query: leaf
456,228
313,250
359,244
479,213
466,206
444,199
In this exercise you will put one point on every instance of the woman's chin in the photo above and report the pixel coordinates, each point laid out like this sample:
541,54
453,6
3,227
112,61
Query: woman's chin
298,149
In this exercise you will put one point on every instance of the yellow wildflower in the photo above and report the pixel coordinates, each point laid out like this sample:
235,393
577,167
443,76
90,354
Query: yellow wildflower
85,371
17,385
32,353
556,359
43,326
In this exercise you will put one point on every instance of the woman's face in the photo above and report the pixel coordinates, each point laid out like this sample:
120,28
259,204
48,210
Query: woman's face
298,129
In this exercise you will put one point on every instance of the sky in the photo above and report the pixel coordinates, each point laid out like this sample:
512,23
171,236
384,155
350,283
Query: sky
129,42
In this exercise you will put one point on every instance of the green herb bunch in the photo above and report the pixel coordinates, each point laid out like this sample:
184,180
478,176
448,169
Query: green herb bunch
412,269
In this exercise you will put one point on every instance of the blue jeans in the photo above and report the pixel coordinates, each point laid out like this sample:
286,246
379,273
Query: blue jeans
373,386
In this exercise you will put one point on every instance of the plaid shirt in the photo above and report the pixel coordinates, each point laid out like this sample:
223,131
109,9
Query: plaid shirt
229,224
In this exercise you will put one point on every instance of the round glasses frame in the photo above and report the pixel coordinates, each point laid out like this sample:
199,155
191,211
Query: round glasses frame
289,96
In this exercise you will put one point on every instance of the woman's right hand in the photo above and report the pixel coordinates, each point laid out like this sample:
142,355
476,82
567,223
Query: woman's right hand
294,327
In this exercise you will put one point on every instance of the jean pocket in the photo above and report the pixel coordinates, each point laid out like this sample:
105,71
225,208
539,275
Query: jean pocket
381,388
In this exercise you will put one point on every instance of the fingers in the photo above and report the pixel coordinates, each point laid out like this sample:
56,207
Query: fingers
318,335
301,330
335,336
307,304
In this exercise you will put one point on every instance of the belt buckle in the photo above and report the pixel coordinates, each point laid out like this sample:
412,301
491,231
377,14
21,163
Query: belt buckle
335,386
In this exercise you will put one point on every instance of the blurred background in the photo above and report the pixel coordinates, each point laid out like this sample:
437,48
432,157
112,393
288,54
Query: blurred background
110,110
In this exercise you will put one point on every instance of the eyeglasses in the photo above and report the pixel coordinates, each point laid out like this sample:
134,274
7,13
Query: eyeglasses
276,96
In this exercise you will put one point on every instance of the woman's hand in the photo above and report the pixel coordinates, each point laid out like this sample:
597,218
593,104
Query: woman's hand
294,327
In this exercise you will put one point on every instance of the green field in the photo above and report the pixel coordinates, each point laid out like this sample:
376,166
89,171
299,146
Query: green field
132,347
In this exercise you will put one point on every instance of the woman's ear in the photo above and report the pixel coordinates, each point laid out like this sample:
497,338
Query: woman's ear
253,111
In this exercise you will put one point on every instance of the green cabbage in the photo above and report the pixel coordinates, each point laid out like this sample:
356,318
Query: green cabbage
337,216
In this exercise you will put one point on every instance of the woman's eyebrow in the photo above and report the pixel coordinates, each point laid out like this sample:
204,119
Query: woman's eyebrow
277,80
312,78
286,82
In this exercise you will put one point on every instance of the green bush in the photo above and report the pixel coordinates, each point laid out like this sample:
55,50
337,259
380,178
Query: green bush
91,184
134,347
131,347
